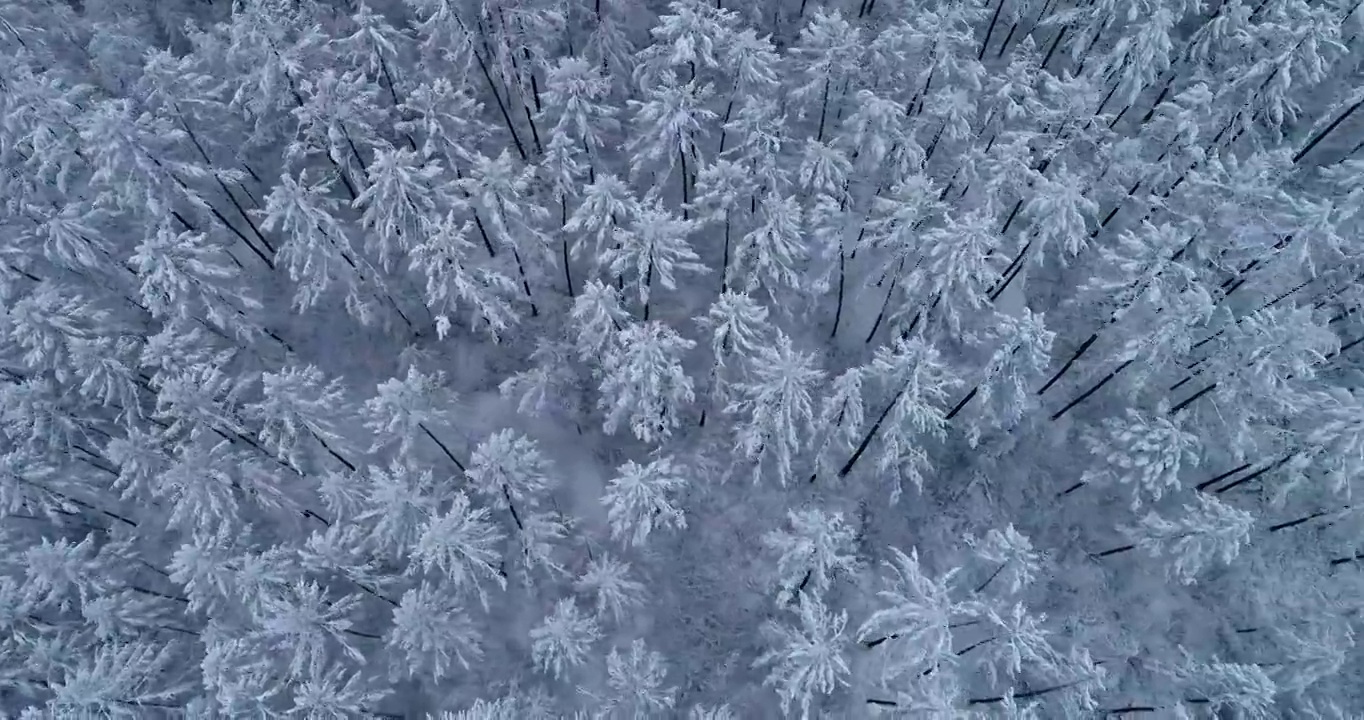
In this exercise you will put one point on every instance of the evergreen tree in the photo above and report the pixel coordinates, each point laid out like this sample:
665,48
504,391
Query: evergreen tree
770,254
1022,353
405,409
1016,562
817,545
460,542
299,403
1061,213
691,36
641,497
563,640
607,205
808,661
643,381
1144,451
721,188
578,91
667,125
445,256
1242,689
598,318
510,471
635,682
400,198
1208,530
447,120
654,246
317,250
913,629
776,407
841,415
184,274
920,379
736,323
827,54
959,268
614,592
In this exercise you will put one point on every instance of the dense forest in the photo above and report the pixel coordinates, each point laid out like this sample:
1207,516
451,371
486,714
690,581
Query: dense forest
703,359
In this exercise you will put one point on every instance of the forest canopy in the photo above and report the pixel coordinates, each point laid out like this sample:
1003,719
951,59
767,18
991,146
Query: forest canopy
705,359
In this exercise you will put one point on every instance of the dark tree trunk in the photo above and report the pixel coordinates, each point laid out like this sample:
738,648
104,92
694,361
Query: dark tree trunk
838,310
442,447
990,30
1093,389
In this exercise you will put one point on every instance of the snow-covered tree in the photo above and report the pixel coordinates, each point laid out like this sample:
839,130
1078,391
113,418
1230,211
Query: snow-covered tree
873,129
455,280
1062,214
462,543
759,132
402,194
825,169
691,35
959,268
826,55
299,403
183,274
818,545
563,172
406,408
913,628
769,255
335,690
920,379
1142,265
545,386
1208,530
317,249
1018,637
373,44
642,497
808,660
577,91
1016,563
1144,450
446,118
722,188
1334,442
776,407
432,633
1242,689
654,248
635,683
614,592
508,469
1022,353
114,676
721,712
643,381
399,501
738,327
298,616
1259,363
500,190
538,536
667,124
598,319
841,414
607,205
564,640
